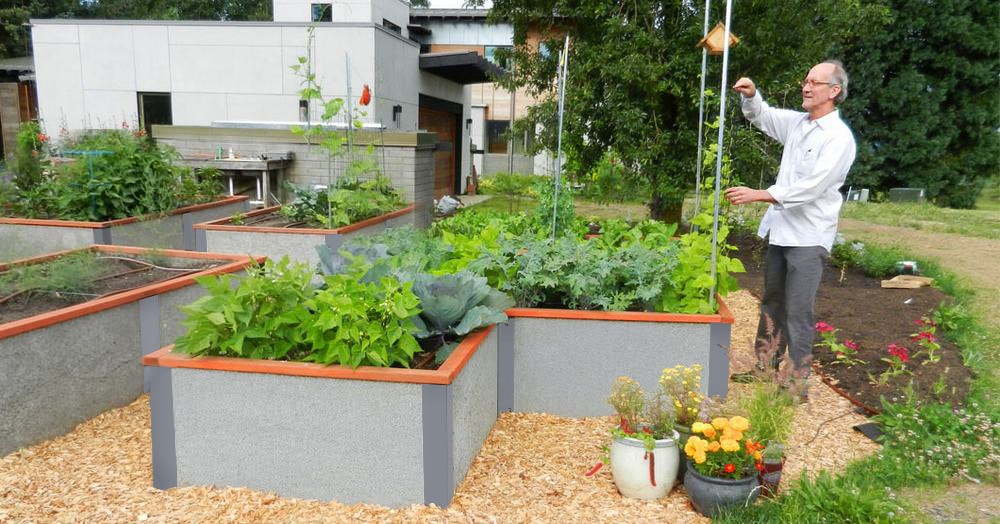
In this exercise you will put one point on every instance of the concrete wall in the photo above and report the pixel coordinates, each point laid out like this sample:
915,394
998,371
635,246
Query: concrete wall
475,394
566,367
89,72
497,163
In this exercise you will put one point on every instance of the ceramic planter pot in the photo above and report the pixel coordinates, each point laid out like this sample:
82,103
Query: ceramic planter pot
642,474
711,495
685,434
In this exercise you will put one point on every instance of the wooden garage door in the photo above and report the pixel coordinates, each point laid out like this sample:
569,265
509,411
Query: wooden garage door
446,126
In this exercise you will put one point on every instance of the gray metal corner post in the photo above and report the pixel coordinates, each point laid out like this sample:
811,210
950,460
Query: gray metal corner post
161,408
439,444
718,359
149,332
187,225
103,236
505,366
200,240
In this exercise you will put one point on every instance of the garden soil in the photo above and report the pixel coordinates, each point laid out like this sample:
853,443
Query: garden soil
532,468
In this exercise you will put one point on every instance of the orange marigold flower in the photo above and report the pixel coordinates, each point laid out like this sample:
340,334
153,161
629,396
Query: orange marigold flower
739,423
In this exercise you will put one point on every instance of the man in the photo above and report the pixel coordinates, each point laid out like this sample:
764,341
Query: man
801,221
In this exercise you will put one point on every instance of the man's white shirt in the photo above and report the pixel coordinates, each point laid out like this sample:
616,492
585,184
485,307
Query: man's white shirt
817,156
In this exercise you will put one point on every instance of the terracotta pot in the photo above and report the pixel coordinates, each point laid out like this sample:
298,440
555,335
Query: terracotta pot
770,477
711,495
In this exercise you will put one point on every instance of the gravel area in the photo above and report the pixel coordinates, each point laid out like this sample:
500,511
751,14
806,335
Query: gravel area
531,468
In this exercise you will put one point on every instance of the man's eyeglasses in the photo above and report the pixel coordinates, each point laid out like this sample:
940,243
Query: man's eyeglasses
814,83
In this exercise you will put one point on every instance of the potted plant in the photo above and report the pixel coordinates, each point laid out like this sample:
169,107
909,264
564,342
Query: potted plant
722,465
644,451
683,385
771,410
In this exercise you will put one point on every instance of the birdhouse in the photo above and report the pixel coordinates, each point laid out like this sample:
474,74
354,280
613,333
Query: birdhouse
714,40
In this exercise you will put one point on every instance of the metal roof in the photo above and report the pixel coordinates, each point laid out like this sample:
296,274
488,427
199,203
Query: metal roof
463,67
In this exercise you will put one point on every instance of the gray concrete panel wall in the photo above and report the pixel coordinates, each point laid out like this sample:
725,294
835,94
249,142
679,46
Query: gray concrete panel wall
349,440
566,367
474,403
298,247
22,241
54,378
170,314
159,233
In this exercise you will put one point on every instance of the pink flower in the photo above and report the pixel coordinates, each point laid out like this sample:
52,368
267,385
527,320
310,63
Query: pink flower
850,344
924,335
899,352
823,327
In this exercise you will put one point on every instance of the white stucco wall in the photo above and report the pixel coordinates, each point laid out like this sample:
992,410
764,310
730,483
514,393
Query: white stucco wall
367,11
88,73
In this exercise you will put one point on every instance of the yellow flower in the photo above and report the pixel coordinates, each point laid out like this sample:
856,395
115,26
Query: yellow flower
700,458
732,434
714,446
699,427
739,423
730,445
720,423
757,455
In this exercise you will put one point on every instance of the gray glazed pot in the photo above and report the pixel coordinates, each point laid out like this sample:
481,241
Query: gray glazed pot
685,433
711,495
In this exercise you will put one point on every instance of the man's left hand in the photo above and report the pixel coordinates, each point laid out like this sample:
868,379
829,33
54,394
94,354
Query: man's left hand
744,195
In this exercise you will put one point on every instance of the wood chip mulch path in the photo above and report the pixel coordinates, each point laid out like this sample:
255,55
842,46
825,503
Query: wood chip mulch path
531,468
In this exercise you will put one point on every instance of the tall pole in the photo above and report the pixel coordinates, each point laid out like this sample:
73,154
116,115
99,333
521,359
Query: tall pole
562,101
718,153
701,116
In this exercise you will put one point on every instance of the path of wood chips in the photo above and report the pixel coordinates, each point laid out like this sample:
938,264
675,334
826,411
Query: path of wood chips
531,468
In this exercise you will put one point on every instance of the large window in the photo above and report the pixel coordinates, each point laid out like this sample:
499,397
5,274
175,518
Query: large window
491,54
322,12
154,108
496,136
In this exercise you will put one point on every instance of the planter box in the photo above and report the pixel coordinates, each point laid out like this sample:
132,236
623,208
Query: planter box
563,362
60,368
378,435
299,244
32,237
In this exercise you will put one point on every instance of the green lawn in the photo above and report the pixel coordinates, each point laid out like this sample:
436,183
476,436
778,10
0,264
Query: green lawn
983,223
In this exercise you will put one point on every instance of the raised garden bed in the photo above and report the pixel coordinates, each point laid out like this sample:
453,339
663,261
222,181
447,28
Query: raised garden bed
561,362
388,436
62,366
31,237
266,232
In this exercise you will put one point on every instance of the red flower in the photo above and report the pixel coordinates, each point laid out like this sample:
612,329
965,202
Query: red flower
823,327
851,344
366,96
42,137
924,335
899,352
729,468
759,466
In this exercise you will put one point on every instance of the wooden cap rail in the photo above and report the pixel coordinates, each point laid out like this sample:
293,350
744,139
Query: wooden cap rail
222,224
119,221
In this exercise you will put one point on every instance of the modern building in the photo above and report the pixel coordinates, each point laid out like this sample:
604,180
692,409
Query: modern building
101,73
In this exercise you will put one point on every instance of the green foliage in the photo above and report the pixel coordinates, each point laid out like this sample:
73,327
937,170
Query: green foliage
609,182
347,203
275,313
770,411
72,273
30,150
134,178
924,99
634,76
457,303
564,213
509,184
874,260
692,281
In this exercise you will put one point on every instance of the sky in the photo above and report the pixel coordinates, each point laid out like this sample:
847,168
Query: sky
448,4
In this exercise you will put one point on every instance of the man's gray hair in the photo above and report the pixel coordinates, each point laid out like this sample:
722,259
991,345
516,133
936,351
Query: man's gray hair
839,77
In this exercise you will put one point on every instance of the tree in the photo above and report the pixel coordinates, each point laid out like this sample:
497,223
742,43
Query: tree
634,74
924,101
424,4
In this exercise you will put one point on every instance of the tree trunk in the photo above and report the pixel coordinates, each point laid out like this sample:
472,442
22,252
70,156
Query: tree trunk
664,211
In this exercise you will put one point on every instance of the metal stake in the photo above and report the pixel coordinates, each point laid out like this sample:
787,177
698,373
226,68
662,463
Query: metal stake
564,57
718,153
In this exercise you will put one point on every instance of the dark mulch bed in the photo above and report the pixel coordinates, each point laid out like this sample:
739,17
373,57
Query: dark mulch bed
275,219
117,274
872,317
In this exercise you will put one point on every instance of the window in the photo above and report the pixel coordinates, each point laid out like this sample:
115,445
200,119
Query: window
322,12
154,108
501,61
496,136
391,26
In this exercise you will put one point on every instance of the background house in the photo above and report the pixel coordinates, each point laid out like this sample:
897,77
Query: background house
101,73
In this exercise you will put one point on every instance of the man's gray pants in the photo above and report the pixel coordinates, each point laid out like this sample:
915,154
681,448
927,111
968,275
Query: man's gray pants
791,278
